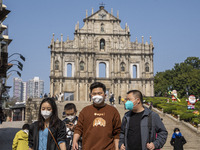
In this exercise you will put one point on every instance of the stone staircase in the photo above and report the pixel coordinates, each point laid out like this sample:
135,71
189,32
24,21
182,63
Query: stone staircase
192,138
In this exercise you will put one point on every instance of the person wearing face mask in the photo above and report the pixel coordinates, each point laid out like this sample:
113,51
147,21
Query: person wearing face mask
98,124
177,140
49,132
71,121
140,126
21,139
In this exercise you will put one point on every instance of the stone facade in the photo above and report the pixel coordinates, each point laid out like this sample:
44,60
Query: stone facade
101,51
32,109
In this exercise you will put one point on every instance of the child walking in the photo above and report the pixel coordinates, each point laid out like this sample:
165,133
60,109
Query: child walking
70,121
177,140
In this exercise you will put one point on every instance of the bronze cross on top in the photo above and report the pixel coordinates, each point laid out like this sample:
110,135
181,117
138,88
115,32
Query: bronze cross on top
102,4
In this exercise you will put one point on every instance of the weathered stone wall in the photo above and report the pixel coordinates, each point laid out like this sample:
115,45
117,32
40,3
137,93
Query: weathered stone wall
101,40
32,109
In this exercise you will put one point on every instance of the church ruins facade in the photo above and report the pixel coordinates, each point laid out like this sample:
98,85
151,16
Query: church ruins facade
101,51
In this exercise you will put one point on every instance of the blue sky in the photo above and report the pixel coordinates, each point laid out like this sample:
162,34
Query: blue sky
173,24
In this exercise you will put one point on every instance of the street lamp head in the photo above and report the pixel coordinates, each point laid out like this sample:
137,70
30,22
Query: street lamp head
22,57
20,64
20,68
19,74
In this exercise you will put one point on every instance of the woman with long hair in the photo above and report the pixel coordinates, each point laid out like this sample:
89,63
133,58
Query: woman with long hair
49,132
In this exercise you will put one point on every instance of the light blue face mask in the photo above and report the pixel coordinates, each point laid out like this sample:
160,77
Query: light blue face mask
129,105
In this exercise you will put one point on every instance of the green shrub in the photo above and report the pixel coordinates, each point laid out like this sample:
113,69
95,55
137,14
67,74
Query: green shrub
169,109
177,112
155,103
196,121
176,108
186,116
160,106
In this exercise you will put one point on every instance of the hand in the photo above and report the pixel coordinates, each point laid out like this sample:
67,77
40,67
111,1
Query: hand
150,146
70,126
122,147
75,146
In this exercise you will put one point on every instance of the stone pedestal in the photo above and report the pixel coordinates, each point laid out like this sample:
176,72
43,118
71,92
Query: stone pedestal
178,119
198,128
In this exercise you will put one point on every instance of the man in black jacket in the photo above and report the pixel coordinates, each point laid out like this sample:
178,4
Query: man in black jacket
136,133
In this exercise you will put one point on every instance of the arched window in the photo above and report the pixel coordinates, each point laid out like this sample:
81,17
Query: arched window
82,65
56,65
123,66
102,27
69,70
134,71
102,44
102,70
147,67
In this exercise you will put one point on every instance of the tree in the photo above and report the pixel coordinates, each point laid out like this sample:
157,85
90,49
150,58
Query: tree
184,77
193,61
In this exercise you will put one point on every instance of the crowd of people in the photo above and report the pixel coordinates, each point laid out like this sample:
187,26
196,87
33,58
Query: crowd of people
98,126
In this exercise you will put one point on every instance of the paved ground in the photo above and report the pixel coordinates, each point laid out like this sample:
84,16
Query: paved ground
7,133
6,137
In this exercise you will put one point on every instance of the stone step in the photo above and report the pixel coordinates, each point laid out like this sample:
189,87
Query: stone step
13,124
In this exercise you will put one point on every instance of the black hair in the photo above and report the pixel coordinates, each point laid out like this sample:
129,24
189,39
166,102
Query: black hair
97,85
137,93
176,129
54,120
70,106
25,126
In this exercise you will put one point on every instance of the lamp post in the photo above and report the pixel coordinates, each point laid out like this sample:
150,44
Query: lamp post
20,67
2,84
19,63
21,56
19,74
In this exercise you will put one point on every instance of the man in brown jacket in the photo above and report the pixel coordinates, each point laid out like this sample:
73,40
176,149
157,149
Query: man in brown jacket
99,124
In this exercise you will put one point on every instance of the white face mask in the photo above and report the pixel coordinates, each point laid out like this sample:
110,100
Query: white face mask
97,99
46,114
70,117
177,133
26,131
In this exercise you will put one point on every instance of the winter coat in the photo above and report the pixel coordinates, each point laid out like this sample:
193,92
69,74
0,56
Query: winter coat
157,127
20,142
177,142
59,134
